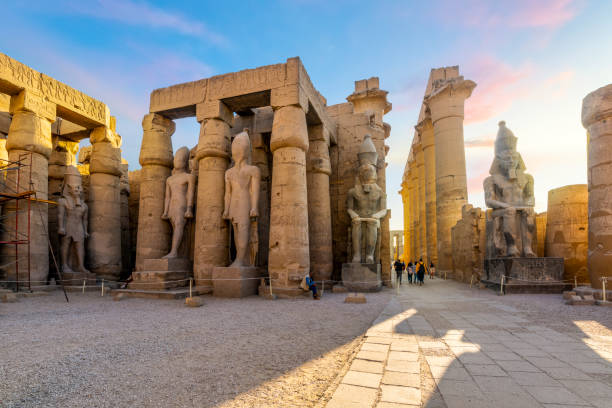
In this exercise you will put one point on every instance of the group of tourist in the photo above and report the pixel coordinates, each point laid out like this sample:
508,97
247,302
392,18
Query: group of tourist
416,271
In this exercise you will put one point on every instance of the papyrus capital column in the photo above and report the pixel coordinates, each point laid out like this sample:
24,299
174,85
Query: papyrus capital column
29,132
446,105
289,258
213,155
597,119
425,129
414,211
156,156
318,171
421,214
104,243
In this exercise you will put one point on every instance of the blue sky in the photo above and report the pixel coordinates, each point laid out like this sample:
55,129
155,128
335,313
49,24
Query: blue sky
533,62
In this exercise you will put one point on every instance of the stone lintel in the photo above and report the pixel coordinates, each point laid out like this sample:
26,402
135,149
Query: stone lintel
597,106
289,95
102,134
71,104
214,110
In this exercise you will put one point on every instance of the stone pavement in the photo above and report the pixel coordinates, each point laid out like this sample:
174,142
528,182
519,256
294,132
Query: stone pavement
447,345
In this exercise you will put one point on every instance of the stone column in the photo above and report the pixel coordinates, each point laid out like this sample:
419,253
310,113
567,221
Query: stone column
597,119
567,229
289,257
414,209
29,133
425,128
156,156
319,204
126,237
211,246
104,243
446,102
406,213
420,163
63,155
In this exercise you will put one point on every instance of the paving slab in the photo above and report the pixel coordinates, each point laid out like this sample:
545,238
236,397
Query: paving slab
362,379
351,396
555,395
402,379
400,395
485,369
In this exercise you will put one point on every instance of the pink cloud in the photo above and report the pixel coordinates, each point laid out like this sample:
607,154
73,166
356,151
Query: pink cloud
513,14
484,141
498,86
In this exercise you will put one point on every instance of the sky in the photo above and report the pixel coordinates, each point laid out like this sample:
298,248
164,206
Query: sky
533,62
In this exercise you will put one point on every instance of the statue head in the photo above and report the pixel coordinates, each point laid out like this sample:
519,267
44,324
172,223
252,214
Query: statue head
72,186
367,177
508,162
241,147
368,157
181,158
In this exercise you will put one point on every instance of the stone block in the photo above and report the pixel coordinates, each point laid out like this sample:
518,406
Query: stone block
568,294
167,265
8,297
194,301
580,301
235,282
162,274
526,275
355,298
359,277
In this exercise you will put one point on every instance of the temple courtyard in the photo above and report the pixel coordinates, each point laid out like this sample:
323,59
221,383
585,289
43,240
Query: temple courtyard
441,345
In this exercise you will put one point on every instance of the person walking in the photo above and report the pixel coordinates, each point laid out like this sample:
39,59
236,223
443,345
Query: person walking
432,270
398,271
420,271
409,272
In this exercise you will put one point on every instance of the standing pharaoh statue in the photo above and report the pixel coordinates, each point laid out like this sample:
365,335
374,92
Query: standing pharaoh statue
241,200
366,204
509,192
178,204
72,221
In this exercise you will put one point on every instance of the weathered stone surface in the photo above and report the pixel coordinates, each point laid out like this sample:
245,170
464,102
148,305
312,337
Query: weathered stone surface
361,277
8,297
194,301
596,118
567,230
162,274
526,274
339,289
235,281
355,298
541,234
468,243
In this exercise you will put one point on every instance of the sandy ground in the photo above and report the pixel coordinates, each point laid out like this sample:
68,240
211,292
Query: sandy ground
95,352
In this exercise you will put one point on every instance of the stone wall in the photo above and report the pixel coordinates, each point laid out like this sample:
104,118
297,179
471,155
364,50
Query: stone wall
567,229
541,234
468,245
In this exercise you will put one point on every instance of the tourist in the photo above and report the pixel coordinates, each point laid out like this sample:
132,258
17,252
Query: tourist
432,270
308,284
409,272
420,271
398,271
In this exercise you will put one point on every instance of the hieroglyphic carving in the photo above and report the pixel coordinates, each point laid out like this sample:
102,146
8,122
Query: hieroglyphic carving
246,81
15,76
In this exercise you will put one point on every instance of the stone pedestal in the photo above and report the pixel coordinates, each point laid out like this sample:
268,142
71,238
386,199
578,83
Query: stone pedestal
235,282
360,277
159,274
77,278
525,275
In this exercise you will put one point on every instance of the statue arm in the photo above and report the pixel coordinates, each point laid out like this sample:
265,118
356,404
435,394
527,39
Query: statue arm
86,220
350,205
528,192
190,196
255,180
61,221
227,197
490,196
167,201
383,207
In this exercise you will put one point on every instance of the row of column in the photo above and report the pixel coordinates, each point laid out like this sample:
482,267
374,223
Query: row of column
300,210
29,141
435,183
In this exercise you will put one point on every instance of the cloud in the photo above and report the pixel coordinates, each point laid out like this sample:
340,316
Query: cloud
140,13
510,14
485,141
498,86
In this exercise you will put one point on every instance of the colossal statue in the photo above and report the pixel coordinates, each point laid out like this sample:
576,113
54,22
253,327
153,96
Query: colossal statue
72,222
178,204
509,192
366,204
241,200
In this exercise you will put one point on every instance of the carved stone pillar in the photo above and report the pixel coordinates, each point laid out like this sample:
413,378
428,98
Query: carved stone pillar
414,209
156,156
319,204
104,244
126,237
289,257
420,163
446,102
211,236
597,119
405,192
29,132
425,129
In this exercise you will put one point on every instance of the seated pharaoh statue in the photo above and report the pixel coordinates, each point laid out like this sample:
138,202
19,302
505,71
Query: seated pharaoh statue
178,204
366,204
509,193
241,200
72,213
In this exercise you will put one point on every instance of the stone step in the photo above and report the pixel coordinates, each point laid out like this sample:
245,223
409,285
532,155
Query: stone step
180,293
